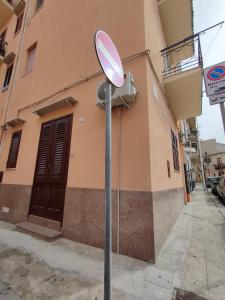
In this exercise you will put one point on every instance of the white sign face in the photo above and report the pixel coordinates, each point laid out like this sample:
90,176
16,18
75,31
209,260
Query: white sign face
215,79
216,99
109,58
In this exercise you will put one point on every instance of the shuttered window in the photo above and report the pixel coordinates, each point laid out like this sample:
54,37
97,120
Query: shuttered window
30,58
14,149
176,163
8,76
19,23
39,4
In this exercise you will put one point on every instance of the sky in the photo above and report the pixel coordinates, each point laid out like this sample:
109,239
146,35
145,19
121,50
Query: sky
207,13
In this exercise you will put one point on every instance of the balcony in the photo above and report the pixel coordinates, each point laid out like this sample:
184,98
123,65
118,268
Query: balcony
183,77
8,8
2,50
192,123
188,147
219,166
177,19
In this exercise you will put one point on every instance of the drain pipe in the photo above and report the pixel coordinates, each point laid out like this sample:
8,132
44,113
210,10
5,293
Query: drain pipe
9,98
119,180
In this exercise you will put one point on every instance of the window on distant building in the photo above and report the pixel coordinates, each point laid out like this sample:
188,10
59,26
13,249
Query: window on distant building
8,76
176,163
195,145
14,149
39,4
19,23
219,160
30,57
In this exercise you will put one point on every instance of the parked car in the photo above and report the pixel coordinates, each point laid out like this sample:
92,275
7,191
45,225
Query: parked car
209,182
214,185
221,188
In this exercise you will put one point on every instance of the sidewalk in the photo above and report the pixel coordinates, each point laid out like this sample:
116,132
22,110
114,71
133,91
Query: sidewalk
192,259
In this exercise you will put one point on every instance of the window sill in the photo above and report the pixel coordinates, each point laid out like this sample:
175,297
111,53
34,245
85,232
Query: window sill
10,169
5,89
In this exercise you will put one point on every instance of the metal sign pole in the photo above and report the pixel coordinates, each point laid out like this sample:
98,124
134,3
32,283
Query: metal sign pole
222,109
202,165
108,200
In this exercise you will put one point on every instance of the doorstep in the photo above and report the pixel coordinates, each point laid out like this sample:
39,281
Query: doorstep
39,231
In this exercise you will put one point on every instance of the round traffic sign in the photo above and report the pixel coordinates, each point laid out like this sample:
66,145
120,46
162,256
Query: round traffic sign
109,58
216,73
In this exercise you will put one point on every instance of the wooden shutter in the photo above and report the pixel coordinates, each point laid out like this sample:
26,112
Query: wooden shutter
58,159
19,23
43,153
14,149
8,76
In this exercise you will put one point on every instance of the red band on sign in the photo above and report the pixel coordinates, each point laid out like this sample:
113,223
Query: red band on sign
214,75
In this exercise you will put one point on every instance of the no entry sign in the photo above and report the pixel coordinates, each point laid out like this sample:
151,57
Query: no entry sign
109,58
215,79
111,64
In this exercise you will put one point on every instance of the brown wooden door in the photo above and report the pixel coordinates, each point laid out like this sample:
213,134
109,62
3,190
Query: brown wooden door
50,179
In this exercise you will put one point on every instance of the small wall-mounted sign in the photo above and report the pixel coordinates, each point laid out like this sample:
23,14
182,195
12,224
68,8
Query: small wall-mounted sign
5,209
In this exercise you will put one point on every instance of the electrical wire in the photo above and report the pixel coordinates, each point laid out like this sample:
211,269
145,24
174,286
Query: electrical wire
212,42
84,79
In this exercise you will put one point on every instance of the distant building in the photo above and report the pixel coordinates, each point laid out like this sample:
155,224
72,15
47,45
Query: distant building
213,157
189,138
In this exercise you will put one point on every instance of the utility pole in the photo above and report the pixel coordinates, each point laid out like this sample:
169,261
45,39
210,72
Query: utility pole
222,109
202,165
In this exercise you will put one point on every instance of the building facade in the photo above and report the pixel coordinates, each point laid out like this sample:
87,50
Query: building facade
189,138
213,157
52,134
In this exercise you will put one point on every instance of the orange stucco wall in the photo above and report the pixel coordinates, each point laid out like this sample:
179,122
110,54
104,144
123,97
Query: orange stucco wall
161,119
65,54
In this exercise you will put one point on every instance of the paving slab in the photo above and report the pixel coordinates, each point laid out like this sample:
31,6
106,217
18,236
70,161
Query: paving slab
160,278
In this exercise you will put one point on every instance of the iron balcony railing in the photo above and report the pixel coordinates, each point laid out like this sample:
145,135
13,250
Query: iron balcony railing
182,56
193,137
2,47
